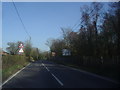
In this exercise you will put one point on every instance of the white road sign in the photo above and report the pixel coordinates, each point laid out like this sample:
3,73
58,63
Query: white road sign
66,52
21,50
21,45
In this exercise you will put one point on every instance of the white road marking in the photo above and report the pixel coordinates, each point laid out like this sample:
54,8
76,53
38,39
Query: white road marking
92,74
57,79
14,75
46,67
53,76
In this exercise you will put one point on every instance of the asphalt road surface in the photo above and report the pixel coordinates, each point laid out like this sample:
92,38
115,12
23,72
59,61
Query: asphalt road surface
46,74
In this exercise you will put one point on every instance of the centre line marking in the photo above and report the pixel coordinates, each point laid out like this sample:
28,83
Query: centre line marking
54,76
57,79
46,67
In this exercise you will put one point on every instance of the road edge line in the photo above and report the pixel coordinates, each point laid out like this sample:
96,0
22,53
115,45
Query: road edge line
14,75
93,74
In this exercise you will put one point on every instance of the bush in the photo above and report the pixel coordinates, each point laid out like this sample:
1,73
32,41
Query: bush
12,63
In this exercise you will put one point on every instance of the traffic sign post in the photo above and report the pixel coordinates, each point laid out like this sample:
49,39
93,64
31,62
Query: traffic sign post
21,48
21,45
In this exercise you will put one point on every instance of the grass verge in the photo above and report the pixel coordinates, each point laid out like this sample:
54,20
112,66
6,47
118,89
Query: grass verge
11,64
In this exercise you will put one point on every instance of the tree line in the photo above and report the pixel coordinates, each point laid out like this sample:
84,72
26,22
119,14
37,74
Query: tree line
29,51
98,38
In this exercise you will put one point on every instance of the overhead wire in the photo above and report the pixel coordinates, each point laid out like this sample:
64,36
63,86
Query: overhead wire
75,26
21,19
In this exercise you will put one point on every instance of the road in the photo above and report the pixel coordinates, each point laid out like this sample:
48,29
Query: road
46,74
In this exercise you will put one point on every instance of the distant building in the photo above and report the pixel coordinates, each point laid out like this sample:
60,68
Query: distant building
2,52
53,53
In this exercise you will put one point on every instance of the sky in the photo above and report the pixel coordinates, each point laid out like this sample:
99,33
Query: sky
42,21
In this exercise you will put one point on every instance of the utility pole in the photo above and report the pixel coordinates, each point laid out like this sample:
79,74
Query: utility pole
31,49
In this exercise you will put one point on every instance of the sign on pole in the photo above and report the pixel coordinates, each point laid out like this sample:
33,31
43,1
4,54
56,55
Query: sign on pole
53,53
21,45
66,52
21,48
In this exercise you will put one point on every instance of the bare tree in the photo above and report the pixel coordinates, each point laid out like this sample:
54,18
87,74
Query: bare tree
28,48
